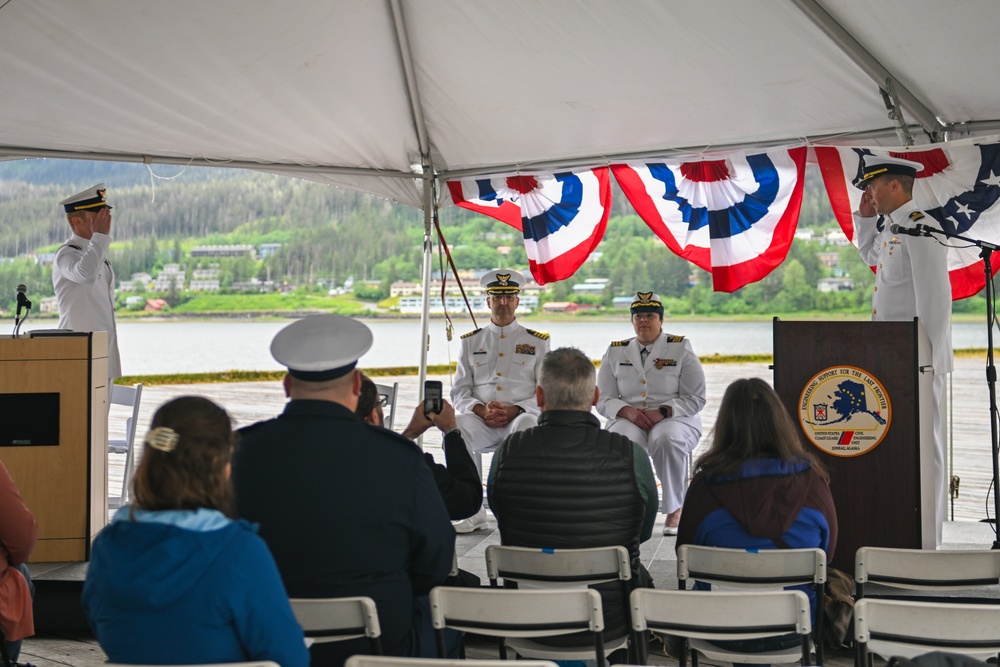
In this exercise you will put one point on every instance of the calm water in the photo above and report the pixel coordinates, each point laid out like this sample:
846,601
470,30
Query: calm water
150,348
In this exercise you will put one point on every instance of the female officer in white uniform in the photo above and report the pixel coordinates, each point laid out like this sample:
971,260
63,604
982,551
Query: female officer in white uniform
652,388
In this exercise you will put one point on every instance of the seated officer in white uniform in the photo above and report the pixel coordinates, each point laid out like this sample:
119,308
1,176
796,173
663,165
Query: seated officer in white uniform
494,390
652,389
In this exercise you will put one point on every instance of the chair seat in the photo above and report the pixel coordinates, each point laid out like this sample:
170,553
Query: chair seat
713,652
529,648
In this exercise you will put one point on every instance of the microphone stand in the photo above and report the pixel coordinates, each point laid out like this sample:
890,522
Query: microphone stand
986,250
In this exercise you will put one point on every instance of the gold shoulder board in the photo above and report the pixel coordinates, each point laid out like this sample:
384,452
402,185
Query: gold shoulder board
538,334
471,333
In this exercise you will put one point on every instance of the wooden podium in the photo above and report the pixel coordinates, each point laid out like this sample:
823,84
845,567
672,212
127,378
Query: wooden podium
861,393
54,398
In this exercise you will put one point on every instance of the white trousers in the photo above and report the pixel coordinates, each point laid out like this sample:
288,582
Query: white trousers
668,443
481,438
941,482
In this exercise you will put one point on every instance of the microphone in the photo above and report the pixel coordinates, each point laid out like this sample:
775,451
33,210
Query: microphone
22,300
916,230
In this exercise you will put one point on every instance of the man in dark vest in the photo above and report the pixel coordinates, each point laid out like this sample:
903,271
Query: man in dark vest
568,484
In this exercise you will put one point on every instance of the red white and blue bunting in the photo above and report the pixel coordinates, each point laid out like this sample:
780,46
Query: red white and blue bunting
959,186
734,216
561,215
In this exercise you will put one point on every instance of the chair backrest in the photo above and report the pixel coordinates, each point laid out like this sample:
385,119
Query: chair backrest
925,570
755,569
257,663
338,619
390,391
908,629
557,567
498,612
724,615
392,661
129,397
745,568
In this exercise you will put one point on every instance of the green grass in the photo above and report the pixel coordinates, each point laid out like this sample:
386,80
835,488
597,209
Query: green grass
273,302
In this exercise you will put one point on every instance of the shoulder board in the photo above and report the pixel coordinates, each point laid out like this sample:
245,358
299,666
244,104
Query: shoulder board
916,215
70,245
538,334
621,343
471,333
675,339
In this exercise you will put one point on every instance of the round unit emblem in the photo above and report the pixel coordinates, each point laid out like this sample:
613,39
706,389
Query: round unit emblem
845,411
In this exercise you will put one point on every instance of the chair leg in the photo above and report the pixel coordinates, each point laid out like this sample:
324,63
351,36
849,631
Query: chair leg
442,645
599,649
694,655
860,654
805,650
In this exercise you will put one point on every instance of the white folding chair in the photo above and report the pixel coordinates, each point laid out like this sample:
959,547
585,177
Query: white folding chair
392,661
338,619
561,568
129,397
700,617
390,391
520,616
921,570
765,569
907,629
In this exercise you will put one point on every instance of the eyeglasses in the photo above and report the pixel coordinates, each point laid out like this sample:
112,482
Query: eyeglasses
383,400
644,316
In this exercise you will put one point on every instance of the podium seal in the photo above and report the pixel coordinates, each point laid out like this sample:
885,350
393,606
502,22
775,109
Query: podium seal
845,411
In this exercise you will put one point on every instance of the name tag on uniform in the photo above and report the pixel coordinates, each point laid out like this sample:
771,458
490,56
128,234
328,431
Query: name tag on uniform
524,348
480,352
625,363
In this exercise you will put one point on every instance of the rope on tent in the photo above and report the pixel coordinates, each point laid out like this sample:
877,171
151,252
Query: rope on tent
443,252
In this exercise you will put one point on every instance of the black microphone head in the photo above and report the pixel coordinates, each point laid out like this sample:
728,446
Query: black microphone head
22,289
895,228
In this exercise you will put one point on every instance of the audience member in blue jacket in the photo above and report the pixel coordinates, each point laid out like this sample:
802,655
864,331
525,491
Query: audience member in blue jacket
174,580
757,486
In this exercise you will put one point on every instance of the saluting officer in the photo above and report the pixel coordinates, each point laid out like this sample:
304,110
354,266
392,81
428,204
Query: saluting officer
911,278
652,389
494,389
82,276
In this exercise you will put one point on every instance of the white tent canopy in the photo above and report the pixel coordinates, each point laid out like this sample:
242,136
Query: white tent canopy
368,93
385,96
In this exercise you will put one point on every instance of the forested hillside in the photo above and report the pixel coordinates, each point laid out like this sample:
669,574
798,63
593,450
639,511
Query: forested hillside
329,234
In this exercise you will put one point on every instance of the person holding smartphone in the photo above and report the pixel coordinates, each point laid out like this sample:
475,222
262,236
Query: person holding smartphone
457,480
494,388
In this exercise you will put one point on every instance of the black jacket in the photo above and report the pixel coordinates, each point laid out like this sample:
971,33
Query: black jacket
569,484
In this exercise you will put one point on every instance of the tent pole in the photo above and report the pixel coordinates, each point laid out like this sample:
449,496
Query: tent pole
430,211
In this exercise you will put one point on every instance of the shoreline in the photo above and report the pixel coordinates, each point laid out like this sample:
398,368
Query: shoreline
235,375
615,316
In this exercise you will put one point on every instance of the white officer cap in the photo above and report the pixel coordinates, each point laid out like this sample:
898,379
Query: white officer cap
321,347
878,165
502,281
646,302
91,199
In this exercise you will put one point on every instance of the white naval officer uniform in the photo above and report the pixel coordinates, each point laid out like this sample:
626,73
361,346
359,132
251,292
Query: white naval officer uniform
911,280
671,376
84,283
497,364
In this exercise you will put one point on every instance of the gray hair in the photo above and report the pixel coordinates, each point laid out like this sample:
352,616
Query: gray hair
567,379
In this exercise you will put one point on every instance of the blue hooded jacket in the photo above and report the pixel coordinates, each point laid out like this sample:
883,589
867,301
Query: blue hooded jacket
188,587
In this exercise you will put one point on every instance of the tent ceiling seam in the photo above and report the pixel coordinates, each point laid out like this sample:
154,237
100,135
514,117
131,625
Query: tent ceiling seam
870,65
18,152
410,77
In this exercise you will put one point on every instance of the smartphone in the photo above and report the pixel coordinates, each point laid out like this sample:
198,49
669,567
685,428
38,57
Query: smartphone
432,397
